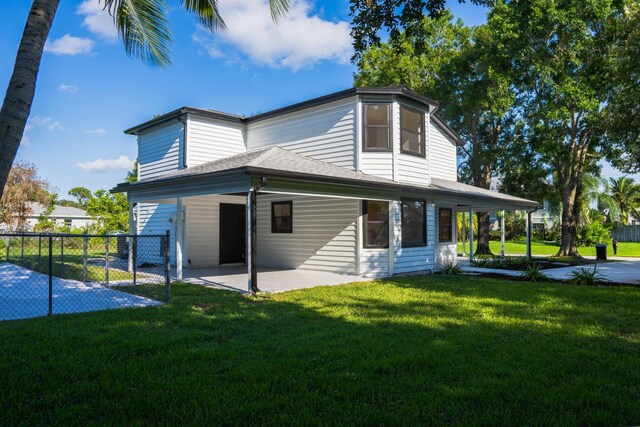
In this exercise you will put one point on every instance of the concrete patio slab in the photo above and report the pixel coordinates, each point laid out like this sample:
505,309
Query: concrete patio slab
234,277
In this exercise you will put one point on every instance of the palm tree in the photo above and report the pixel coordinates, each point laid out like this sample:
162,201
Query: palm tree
142,25
626,193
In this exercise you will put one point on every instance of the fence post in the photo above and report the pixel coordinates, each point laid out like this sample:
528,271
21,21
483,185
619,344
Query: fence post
22,248
8,246
39,250
134,258
50,312
106,260
167,268
84,257
62,257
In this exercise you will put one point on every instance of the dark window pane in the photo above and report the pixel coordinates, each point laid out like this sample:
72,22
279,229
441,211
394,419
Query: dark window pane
376,129
410,141
376,224
445,226
413,223
281,217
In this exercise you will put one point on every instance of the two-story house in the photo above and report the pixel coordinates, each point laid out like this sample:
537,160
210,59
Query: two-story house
362,181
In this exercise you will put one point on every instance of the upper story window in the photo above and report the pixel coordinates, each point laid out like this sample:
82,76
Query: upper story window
377,127
412,132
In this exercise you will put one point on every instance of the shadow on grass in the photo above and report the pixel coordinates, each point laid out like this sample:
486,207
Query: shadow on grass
421,350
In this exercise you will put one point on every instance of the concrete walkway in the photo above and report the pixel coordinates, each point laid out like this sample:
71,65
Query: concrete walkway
234,277
627,272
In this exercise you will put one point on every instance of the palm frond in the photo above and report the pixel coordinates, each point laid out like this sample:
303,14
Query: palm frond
143,27
206,12
279,8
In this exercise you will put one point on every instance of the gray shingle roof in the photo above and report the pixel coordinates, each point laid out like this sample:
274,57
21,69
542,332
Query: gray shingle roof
459,188
38,209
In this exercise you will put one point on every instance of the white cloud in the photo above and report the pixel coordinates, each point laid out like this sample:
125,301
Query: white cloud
68,88
299,40
39,122
69,45
96,131
102,165
97,20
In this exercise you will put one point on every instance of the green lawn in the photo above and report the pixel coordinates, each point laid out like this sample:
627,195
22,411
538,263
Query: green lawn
625,249
454,350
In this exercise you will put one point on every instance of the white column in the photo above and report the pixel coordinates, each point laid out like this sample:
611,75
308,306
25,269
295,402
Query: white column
132,230
252,270
528,234
502,233
470,233
179,238
464,233
391,238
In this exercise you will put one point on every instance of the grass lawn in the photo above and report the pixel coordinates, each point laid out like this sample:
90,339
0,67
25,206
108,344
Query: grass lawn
434,350
625,249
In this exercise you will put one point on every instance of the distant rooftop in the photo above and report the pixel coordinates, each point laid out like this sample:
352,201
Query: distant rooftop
38,209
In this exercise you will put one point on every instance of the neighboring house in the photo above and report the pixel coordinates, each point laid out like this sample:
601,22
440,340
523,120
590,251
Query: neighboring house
61,215
361,181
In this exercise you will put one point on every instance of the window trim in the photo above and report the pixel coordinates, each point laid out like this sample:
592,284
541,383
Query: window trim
422,134
273,217
450,240
389,148
424,227
365,212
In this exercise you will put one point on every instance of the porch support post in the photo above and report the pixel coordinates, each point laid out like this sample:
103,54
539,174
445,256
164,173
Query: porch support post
528,234
464,233
131,232
252,242
179,238
502,233
392,239
470,233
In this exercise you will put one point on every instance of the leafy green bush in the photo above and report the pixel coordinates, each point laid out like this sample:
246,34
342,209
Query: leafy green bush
451,268
586,277
594,233
533,273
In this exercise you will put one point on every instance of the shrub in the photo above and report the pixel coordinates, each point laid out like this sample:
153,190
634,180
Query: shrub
586,277
451,268
593,233
533,273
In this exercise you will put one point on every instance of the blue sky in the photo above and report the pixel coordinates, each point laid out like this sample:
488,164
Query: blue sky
89,91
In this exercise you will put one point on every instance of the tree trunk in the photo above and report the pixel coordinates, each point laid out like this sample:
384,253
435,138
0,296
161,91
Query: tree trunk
22,85
484,224
568,246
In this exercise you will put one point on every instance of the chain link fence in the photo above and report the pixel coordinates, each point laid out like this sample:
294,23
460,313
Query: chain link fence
45,274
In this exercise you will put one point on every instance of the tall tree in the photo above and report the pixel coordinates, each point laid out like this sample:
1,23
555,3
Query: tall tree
141,24
626,194
82,196
558,57
23,188
458,66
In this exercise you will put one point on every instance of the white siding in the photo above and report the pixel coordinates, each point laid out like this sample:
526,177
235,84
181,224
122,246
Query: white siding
203,228
374,262
325,133
323,238
378,164
210,139
421,258
442,155
153,218
160,150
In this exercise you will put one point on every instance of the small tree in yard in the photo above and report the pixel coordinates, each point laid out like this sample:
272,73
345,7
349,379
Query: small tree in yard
23,188
111,211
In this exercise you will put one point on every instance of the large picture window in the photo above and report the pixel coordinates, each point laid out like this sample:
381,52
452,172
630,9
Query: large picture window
412,132
445,227
377,129
376,224
414,231
282,217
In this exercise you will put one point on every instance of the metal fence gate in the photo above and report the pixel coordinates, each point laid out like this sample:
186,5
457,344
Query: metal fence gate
44,274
